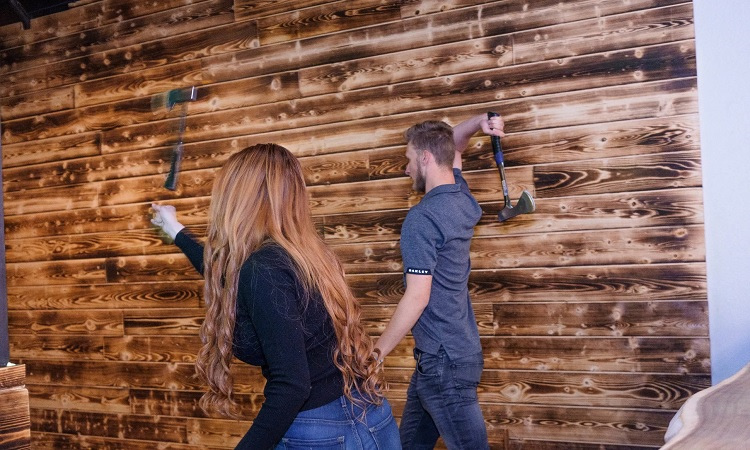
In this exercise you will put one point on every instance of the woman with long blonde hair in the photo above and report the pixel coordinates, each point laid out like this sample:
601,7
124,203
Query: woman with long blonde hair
276,297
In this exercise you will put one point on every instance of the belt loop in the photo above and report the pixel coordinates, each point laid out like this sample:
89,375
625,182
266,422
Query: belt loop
343,401
348,407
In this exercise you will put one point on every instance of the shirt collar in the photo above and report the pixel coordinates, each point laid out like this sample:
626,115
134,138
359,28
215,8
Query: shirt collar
443,189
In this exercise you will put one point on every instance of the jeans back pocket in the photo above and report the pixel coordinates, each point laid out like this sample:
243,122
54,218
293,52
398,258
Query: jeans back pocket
385,433
466,373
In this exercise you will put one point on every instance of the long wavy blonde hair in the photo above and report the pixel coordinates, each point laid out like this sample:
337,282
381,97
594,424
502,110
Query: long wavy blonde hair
259,196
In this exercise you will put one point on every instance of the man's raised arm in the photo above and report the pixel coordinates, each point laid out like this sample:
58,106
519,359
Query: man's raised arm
466,129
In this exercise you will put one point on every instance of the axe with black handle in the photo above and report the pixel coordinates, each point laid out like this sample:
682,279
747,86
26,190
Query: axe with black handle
168,100
525,203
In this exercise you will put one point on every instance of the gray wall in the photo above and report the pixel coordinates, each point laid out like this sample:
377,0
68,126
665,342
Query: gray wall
723,52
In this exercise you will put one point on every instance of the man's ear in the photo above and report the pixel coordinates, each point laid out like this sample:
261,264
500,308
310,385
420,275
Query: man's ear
426,157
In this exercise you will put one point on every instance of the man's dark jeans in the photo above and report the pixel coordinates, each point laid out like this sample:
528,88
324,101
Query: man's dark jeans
442,401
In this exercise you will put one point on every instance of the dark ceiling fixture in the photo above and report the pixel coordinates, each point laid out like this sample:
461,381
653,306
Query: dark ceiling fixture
12,11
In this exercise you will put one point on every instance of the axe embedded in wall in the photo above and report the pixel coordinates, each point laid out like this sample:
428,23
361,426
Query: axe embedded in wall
168,100
525,203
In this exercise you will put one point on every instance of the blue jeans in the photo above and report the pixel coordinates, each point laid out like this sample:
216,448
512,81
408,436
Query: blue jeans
340,425
442,401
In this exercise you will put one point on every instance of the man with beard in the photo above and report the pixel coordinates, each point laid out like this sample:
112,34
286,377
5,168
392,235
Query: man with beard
435,239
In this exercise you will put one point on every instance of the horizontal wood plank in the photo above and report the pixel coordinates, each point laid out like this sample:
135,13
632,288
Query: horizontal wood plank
140,269
397,194
220,433
431,30
149,375
59,272
124,217
176,349
55,441
590,212
76,398
568,74
658,391
66,322
593,390
130,426
633,354
619,175
144,109
163,322
79,145
670,23
118,34
407,65
325,18
636,101
254,9
625,246
103,245
217,40
627,355
61,345
185,403
117,10
53,25
616,426
532,444
63,198
421,7
106,296
577,143
602,319
655,282
150,81
324,199
83,15
599,140
35,103
376,317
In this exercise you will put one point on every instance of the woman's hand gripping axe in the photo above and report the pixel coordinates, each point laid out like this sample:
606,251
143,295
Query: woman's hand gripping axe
525,203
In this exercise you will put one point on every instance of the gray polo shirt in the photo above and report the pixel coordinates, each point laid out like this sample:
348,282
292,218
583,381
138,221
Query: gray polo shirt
435,241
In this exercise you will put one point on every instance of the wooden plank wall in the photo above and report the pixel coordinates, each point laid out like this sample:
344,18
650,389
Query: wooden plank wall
592,311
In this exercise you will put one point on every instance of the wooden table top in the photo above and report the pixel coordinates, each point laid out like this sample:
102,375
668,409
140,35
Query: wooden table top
715,418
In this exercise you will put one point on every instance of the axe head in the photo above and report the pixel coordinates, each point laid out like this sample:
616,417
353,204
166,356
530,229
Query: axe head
173,97
524,205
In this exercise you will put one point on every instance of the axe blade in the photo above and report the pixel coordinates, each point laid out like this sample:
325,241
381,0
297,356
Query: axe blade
524,205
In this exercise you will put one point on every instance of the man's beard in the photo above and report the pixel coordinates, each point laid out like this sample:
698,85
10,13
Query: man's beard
419,181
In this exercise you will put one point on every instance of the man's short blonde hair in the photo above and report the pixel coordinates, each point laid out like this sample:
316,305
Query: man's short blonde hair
436,137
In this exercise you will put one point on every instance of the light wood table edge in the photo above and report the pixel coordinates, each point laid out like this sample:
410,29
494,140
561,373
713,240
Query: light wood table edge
689,416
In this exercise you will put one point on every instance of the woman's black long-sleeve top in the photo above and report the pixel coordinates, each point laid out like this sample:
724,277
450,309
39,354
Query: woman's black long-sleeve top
289,336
